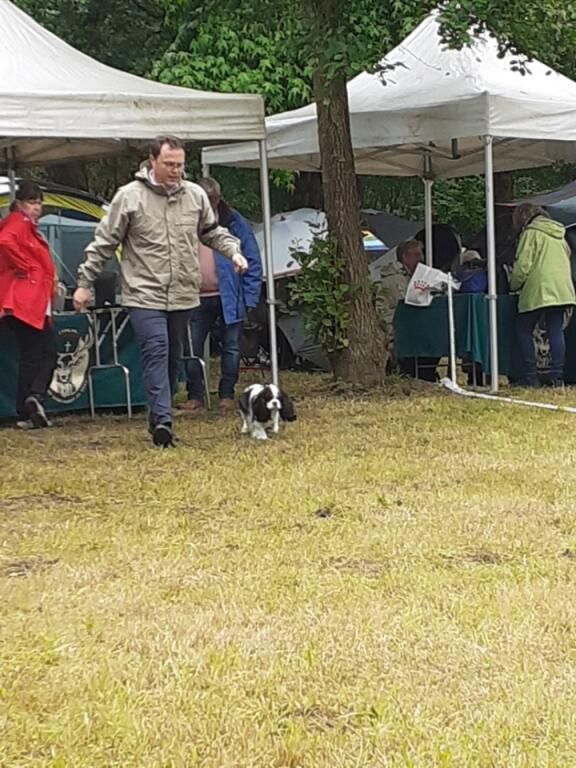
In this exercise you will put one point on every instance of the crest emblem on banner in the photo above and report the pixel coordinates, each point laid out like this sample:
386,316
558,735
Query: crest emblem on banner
70,375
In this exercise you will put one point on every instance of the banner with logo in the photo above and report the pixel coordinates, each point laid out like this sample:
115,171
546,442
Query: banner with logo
76,353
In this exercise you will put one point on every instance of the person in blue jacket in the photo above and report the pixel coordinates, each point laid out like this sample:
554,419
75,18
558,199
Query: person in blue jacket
225,298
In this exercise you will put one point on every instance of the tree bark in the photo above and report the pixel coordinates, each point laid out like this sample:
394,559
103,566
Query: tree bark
363,362
503,187
72,174
308,191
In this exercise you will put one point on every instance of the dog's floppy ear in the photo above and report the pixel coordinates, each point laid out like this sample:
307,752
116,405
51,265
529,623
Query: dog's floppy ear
287,412
244,401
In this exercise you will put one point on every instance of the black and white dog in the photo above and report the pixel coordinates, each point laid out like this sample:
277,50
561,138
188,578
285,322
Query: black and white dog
261,407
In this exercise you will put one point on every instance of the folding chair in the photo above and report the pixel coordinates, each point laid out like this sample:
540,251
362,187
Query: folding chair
192,356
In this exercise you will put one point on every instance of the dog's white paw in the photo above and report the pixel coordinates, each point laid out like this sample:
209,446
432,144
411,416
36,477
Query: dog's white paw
258,432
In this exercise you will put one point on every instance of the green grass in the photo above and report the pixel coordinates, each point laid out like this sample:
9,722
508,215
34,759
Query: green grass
391,582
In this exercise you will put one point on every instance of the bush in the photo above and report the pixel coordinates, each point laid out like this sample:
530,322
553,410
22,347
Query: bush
320,291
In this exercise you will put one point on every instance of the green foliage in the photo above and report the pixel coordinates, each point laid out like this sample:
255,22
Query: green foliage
460,203
319,290
544,30
232,51
127,34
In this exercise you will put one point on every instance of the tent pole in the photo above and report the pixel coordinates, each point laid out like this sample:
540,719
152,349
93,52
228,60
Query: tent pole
428,220
491,240
270,287
11,173
428,182
205,172
452,329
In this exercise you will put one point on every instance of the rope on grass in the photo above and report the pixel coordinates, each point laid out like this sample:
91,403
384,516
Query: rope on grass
458,390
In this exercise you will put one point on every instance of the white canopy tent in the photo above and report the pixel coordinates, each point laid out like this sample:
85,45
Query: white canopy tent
57,104
438,113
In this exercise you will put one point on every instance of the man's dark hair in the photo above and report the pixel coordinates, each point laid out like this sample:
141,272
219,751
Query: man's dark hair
29,190
173,142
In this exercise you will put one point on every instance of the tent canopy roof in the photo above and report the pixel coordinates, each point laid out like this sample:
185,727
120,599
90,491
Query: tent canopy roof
439,101
56,103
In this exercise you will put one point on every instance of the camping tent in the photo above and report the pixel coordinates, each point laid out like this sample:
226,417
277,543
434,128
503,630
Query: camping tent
560,203
57,104
438,113
389,228
71,203
294,230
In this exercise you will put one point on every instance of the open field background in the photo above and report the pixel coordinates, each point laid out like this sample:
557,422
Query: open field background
391,582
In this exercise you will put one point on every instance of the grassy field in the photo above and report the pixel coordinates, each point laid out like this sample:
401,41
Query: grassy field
391,582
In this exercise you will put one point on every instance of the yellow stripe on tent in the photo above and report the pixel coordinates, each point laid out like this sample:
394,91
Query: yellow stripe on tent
65,202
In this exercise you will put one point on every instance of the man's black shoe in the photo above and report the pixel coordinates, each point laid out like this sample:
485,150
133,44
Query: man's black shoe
36,413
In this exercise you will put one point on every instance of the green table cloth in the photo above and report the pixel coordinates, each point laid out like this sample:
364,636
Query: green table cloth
76,353
423,332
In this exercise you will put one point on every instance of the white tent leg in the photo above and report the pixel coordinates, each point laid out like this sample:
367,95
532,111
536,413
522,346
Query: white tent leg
428,183
270,287
451,329
11,175
491,240
205,171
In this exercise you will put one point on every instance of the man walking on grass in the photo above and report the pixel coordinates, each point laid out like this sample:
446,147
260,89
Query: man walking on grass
159,220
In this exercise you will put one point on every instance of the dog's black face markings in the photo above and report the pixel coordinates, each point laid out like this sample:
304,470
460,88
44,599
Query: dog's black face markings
260,409
287,412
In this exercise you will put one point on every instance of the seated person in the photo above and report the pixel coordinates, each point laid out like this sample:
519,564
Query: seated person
472,273
390,290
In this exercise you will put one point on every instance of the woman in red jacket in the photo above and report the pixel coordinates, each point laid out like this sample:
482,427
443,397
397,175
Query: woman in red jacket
27,286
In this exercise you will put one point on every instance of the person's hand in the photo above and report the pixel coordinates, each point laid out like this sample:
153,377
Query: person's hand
81,299
240,263
56,289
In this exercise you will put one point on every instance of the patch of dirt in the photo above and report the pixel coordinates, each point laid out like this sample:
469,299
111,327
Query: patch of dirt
315,717
371,569
50,498
29,566
477,557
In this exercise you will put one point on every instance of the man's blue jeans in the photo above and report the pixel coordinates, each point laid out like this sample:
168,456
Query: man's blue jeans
553,318
202,321
160,335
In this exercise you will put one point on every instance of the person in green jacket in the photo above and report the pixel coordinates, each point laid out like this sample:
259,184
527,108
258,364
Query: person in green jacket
542,276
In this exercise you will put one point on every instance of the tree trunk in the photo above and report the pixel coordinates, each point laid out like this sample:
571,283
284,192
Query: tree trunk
363,362
308,191
72,174
503,187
